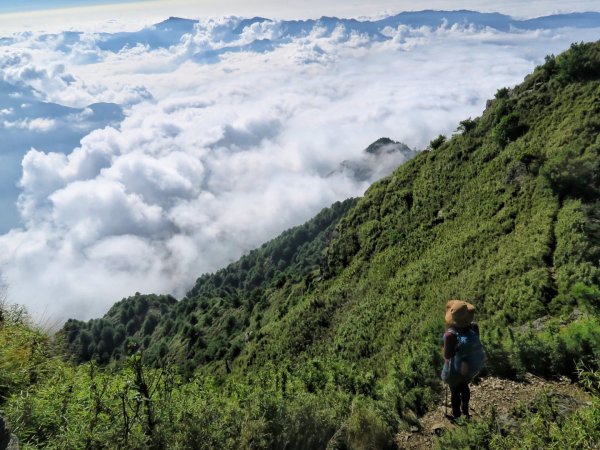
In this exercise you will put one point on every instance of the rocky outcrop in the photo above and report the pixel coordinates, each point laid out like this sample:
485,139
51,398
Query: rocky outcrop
379,159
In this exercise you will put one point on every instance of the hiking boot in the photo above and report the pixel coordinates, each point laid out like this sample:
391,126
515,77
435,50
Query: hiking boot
452,418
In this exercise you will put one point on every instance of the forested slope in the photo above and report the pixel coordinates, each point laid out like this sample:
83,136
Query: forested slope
337,346
219,312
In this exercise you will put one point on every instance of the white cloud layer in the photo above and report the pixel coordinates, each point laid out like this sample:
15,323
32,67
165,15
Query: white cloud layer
234,131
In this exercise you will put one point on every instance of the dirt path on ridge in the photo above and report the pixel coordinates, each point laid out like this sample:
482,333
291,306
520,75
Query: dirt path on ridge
505,395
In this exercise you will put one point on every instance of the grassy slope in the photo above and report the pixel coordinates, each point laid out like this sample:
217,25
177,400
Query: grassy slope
478,218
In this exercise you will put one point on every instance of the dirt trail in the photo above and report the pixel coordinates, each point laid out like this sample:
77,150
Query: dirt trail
505,395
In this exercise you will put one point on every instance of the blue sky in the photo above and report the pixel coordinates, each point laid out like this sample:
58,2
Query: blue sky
35,5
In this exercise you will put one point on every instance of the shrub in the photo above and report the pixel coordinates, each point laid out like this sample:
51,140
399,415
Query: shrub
467,125
508,129
581,62
437,142
573,172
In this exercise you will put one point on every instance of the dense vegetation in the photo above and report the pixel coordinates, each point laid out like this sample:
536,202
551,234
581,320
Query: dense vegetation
214,319
328,336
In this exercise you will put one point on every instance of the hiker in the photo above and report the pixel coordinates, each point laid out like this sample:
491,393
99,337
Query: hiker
463,354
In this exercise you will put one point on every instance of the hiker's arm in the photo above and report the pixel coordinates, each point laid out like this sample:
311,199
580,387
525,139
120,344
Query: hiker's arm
449,345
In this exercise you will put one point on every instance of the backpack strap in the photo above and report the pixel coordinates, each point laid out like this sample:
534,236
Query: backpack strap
454,333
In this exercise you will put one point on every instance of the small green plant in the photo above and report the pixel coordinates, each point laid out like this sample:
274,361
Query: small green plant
589,378
437,142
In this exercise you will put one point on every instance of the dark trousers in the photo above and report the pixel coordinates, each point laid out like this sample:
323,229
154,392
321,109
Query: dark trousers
459,398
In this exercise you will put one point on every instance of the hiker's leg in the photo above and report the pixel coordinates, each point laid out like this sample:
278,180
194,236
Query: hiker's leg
455,399
465,394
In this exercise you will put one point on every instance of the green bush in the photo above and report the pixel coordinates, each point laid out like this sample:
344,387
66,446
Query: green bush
554,351
581,62
437,142
508,129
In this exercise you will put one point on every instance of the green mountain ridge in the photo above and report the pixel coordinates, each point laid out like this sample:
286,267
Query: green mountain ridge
219,306
329,335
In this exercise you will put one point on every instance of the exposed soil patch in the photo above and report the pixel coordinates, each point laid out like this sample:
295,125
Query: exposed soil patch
504,395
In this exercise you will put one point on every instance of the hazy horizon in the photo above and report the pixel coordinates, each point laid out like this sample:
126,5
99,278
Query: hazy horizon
127,14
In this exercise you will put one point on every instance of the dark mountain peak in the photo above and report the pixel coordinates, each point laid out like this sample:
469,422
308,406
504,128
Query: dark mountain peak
386,145
376,161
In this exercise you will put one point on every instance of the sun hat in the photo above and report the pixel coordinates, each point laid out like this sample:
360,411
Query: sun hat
459,313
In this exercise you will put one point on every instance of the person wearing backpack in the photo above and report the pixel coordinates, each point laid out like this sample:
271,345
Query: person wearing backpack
463,354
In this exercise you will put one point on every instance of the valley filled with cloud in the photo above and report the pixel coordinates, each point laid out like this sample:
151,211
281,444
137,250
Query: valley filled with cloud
136,161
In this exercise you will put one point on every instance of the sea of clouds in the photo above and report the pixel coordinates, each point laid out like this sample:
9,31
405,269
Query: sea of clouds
137,161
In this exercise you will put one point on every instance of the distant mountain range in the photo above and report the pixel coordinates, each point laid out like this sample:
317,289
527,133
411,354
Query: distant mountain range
170,31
